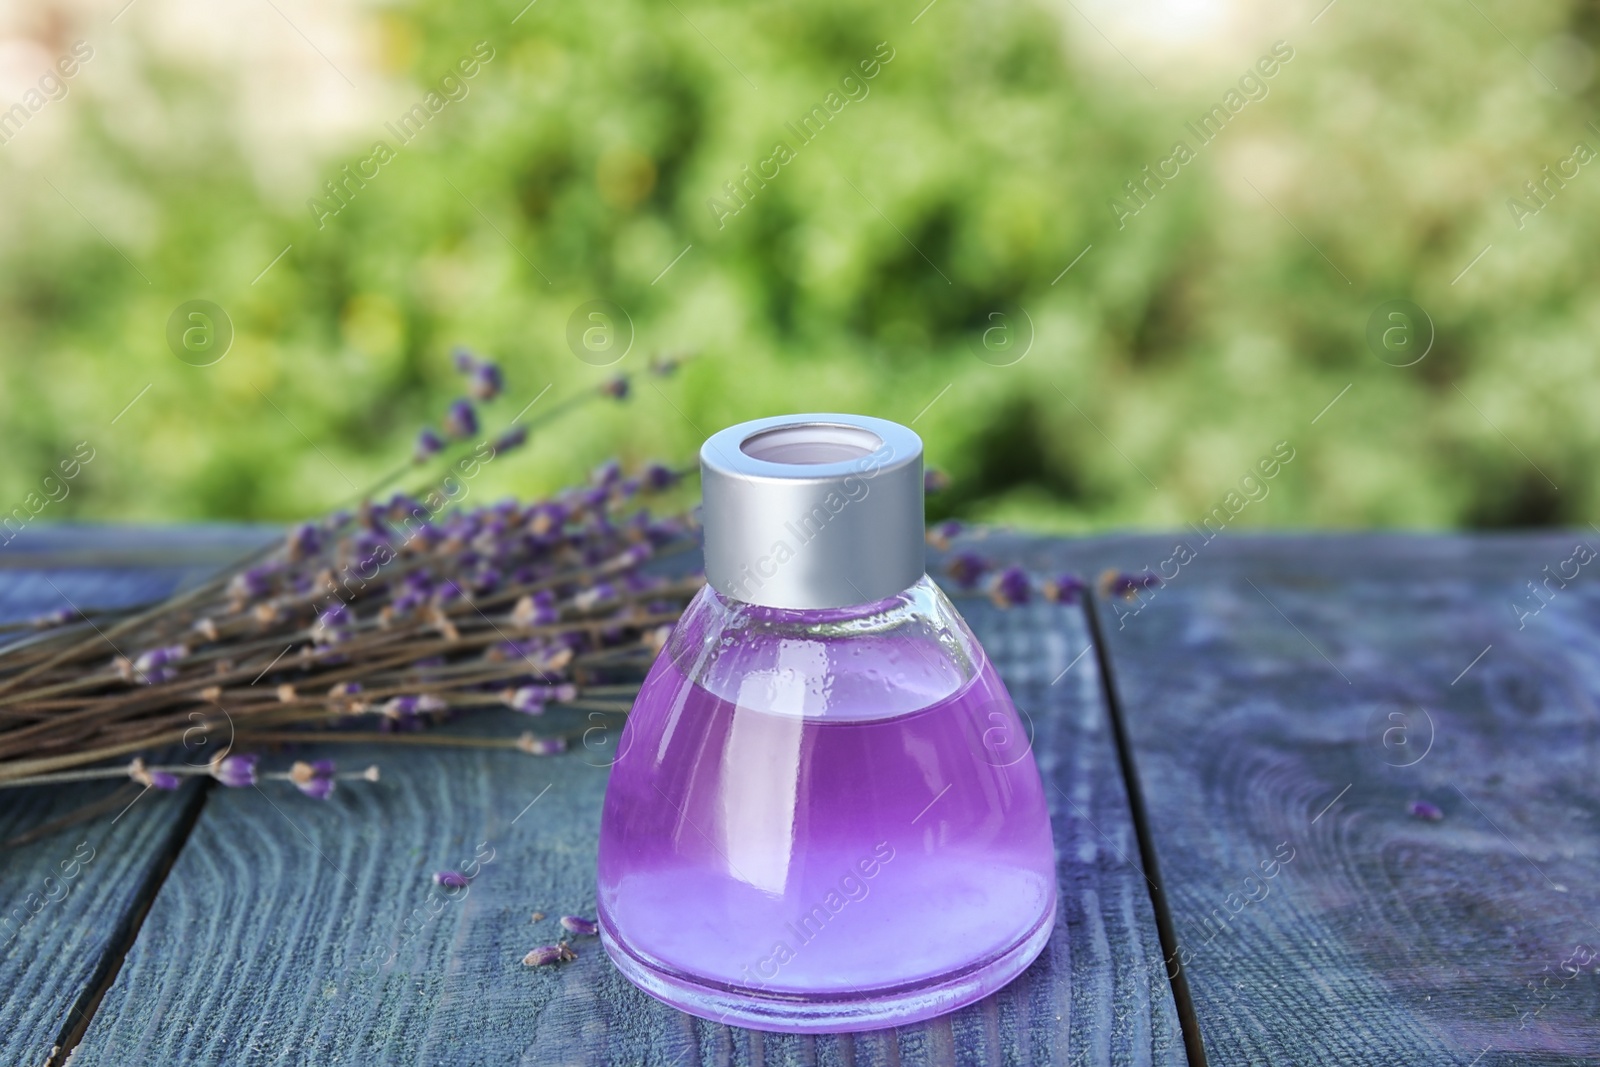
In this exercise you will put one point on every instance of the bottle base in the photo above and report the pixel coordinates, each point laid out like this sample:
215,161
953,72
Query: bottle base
801,1013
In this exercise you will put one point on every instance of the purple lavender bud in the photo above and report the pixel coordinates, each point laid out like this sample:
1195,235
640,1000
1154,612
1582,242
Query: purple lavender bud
163,780
512,439
530,699
305,541
616,388
317,788
941,535
429,444
446,592
1421,809
324,768
658,477
485,381
404,707
578,925
1065,589
934,481
966,568
544,746
236,771
607,474
156,658
1011,587
461,419
463,359
250,584
450,879
58,617
1127,584
548,954
336,615
406,604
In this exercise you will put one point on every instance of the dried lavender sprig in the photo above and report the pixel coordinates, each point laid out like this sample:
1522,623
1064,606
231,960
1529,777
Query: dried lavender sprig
167,776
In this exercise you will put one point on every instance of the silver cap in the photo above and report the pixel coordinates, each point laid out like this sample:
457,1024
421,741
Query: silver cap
813,511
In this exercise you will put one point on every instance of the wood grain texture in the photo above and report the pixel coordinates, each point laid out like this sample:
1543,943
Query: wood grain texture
292,931
1301,694
69,896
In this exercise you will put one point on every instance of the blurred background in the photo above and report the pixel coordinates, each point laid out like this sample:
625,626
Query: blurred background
966,237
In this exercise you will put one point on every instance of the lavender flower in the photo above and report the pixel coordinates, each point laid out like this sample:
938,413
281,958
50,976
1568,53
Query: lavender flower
429,444
337,614
305,541
163,780
152,667
1126,584
531,699
966,568
1421,809
616,388
658,477
541,746
934,481
461,420
236,771
406,708
941,535
250,584
577,925
463,358
606,475
450,879
548,954
485,381
512,439
58,617
1010,587
1065,589
314,779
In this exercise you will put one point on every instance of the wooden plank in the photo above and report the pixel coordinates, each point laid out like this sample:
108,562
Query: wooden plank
1295,697
268,943
70,896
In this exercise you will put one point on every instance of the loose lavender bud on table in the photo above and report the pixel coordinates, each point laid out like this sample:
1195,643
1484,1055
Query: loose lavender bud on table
577,925
549,954
1421,809
450,879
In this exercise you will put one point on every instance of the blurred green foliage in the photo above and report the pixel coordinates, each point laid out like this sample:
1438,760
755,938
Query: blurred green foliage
1178,350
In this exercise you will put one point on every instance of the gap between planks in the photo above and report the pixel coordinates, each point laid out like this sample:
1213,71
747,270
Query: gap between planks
1193,1046
88,1002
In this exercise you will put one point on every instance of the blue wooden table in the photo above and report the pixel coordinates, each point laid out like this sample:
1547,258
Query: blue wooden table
1317,800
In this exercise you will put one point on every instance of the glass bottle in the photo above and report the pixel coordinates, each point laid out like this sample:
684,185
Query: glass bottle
823,816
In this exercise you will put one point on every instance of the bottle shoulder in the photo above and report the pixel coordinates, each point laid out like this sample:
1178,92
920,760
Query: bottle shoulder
872,661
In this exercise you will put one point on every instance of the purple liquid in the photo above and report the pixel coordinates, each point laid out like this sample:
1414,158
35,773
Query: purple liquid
882,861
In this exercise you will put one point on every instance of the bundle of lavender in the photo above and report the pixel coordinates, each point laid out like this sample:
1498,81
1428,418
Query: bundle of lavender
370,624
